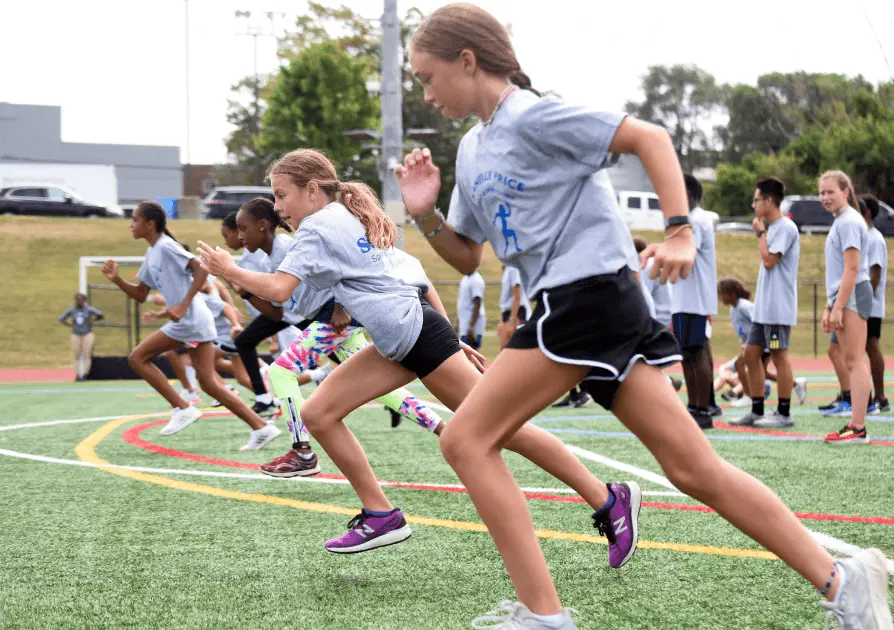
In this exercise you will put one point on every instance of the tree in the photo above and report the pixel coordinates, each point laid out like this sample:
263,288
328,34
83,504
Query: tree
245,112
682,99
733,190
318,96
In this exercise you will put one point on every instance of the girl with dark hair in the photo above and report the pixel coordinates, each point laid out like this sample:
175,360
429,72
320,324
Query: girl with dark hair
176,273
531,181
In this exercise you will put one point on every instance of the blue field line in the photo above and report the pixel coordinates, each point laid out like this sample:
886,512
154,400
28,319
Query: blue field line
752,437
727,413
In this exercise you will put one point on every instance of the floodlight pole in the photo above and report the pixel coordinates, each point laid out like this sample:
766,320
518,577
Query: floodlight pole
392,115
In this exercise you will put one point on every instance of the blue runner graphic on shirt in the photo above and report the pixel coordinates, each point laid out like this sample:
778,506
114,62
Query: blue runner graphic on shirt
504,213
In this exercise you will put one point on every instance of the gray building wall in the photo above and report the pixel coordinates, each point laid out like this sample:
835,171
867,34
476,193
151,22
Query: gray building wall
32,133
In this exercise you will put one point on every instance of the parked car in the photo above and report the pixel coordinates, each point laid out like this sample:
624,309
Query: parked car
642,211
226,199
812,217
51,200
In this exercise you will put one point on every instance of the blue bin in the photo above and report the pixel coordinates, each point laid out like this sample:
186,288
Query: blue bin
170,206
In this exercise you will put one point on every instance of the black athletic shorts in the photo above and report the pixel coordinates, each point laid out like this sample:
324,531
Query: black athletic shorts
522,314
874,328
602,322
437,342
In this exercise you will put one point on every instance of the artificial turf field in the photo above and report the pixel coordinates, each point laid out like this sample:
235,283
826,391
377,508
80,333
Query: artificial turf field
198,538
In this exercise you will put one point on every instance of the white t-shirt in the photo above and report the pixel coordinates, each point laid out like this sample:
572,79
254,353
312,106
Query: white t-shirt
470,287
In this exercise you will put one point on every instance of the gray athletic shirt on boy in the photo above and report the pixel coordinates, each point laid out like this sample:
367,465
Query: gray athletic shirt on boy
380,288
848,232
777,288
697,294
878,255
305,302
532,183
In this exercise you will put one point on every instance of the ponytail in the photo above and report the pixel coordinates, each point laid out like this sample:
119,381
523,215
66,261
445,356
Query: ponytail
362,202
523,81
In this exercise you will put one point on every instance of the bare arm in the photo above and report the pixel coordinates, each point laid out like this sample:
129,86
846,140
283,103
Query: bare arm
224,293
268,310
875,277
232,315
516,302
199,279
435,300
138,292
463,254
275,287
769,260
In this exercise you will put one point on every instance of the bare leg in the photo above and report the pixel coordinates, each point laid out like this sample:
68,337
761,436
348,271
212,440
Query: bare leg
852,342
203,361
140,359
755,371
785,379
179,369
841,371
877,365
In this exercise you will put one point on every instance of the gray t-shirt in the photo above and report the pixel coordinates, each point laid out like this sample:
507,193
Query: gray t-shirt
848,232
697,294
741,316
777,288
253,261
532,183
512,279
221,324
305,302
878,255
80,319
470,287
166,269
660,293
380,288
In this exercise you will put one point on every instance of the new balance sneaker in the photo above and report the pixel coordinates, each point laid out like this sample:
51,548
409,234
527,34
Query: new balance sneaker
746,421
620,523
260,438
848,435
801,389
180,419
582,401
872,408
516,616
191,396
776,421
266,410
862,603
883,405
367,532
293,464
832,404
841,409
740,403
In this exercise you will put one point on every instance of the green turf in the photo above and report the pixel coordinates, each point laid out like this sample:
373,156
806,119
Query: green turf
38,287
84,548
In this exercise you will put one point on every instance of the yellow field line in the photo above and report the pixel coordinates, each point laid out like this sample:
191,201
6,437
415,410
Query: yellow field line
86,451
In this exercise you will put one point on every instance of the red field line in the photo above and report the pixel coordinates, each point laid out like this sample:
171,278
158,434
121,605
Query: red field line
132,436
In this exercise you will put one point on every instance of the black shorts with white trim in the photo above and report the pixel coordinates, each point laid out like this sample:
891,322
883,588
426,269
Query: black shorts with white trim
602,322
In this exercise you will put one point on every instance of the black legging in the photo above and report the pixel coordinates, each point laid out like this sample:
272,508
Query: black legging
247,342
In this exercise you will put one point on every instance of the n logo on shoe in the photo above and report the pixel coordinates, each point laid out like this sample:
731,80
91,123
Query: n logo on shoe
366,529
620,525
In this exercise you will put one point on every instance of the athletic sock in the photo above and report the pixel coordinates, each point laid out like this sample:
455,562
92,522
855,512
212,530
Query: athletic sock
264,399
785,405
378,514
757,406
846,397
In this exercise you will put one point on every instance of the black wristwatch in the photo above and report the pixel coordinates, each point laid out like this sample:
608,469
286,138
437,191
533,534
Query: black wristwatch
760,233
675,221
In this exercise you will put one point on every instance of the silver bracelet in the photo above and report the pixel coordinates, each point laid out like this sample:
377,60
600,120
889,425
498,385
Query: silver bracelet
438,228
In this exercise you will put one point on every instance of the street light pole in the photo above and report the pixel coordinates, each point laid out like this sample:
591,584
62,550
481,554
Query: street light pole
392,115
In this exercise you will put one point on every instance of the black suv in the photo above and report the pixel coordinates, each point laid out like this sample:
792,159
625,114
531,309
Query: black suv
812,217
50,201
226,199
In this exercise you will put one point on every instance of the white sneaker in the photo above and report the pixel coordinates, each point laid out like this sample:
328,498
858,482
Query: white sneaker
801,389
180,419
318,375
191,397
863,600
516,616
261,437
744,401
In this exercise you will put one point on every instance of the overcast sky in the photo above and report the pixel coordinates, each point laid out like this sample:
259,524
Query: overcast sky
117,67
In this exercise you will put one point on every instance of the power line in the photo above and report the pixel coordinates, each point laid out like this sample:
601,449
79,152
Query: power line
882,48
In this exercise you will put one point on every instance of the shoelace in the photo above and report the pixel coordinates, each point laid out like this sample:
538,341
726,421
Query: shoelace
498,617
357,521
833,613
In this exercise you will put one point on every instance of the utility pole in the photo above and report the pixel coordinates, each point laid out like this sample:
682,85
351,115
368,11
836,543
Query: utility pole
254,33
392,115
186,47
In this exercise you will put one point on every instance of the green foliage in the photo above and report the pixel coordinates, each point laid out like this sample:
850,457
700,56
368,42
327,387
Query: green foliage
733,189
318,96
